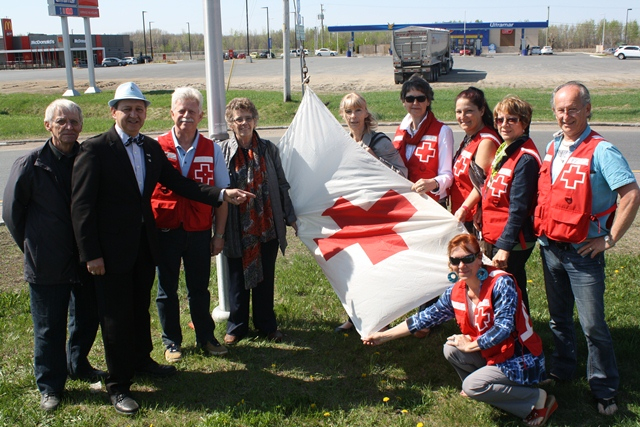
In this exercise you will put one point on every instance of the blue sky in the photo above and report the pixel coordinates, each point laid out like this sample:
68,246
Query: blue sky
122,16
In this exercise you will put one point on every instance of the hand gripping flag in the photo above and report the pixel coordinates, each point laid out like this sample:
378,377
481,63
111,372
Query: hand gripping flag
382,246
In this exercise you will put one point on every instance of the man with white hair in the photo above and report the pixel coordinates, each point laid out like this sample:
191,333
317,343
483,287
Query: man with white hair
36,210
185,227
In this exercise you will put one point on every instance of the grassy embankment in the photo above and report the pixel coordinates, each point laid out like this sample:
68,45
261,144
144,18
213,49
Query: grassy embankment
21,114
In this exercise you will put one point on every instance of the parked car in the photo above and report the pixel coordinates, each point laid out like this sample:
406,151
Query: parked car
466,50
113,62
253,55
610,50
143,59
535,50
624,52
546,50
130,60
265,54
323,51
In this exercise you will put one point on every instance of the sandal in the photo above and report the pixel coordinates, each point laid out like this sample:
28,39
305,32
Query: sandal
550,407
607,406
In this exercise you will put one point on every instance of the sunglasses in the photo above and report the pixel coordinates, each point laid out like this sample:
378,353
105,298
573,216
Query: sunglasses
508,120
468,259
411,99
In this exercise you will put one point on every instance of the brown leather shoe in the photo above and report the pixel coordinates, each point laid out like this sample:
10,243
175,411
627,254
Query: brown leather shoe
231,339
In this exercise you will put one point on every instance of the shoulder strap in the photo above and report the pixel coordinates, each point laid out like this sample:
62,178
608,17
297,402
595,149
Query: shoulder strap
377,137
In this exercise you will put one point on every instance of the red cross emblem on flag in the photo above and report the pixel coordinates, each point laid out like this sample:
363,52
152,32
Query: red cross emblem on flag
426,151
498,186
204,173
372,229
572,177
461,166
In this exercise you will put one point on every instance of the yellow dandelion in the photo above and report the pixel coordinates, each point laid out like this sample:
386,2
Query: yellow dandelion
364,375
313,405
404,411
326,414
385,399
346,334
311,377
273,365
616,271
420,425
529,281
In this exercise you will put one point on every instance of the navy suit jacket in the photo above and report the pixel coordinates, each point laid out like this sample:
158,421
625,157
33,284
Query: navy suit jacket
107,208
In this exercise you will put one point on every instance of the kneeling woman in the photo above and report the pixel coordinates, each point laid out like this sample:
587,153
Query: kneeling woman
498,356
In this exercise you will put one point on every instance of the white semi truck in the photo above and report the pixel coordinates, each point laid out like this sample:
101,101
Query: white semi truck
421,50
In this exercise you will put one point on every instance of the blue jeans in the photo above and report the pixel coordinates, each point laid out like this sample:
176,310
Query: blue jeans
50,305
193,249
571,279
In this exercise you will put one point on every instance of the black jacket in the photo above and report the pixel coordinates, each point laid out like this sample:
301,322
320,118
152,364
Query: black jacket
36,210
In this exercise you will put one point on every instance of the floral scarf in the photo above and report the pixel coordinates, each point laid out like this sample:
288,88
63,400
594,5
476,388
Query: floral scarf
256,217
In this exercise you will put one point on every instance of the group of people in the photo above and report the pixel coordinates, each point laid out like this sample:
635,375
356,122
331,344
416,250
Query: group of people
95,219
121,204
509,198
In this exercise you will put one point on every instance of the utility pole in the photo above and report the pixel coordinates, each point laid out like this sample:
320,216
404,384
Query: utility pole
150,39
189,33
144,36
268,33
626,24
286,64
321,18
246,4
548,13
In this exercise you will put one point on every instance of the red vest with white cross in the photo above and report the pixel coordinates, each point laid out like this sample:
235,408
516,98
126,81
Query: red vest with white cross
483,315
462,185
495,195
171,210
564,208
423,163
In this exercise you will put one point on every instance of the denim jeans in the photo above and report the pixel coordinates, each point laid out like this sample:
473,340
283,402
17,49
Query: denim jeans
571,279
193,249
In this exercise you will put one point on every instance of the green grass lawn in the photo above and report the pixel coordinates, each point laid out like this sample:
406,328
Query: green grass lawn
316,377
21,115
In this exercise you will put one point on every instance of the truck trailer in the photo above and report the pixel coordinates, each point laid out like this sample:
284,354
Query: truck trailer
421,50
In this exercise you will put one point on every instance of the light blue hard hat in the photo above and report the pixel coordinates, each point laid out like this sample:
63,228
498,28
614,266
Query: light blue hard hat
128,90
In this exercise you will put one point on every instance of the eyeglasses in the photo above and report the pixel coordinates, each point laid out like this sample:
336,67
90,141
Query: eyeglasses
508,120
467,259
572,112
240,120
411,99
63,122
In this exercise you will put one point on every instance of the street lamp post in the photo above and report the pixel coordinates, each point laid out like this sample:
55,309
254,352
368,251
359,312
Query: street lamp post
189,33
144,35
626,24
268,33
246,4
150,39
604,25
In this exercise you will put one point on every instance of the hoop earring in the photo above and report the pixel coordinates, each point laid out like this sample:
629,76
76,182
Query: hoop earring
482,273
452,277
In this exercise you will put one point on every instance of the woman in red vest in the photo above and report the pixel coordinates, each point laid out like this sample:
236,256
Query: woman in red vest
498,356
472,161
424,143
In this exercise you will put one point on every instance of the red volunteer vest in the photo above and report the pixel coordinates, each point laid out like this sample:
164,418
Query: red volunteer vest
484,319
462,185
171,210
423,163
495,195
563,212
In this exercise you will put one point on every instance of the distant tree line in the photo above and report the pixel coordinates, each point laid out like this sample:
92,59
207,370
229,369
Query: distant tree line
584,35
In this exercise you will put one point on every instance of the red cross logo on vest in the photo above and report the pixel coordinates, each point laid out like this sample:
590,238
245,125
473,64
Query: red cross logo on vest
572,177
204,173
498,186
426,151
461,166
372,229
483,319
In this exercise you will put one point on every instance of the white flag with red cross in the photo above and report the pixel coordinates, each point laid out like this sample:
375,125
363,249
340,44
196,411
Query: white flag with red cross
382,246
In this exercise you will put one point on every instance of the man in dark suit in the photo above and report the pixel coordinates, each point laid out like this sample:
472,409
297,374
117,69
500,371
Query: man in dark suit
114,176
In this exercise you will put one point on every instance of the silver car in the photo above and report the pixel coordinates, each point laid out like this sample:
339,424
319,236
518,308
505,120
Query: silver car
624,52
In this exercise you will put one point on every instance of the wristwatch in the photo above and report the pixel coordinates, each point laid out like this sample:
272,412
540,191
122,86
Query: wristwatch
609,240
219,235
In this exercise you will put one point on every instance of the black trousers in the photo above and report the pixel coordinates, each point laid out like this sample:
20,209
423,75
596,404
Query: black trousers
123,305
264,317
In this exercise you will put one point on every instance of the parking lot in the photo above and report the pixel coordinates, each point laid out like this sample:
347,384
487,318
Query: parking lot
345,74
